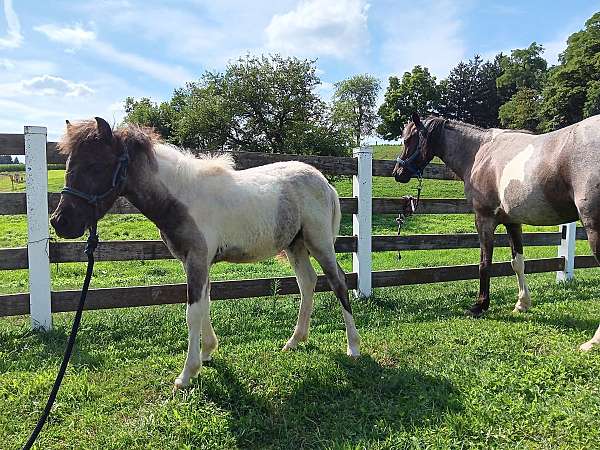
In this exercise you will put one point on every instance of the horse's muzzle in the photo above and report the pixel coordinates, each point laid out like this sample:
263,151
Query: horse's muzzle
67,223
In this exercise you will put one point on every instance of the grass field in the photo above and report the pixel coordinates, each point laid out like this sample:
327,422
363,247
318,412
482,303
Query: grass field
429,377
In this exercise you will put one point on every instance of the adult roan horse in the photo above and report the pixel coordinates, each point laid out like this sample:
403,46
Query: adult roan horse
207,212
513,178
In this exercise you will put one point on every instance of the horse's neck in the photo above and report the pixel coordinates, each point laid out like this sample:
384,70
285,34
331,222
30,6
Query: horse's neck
148,193
459,146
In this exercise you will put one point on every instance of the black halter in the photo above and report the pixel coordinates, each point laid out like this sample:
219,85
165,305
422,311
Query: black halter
118,181
409,163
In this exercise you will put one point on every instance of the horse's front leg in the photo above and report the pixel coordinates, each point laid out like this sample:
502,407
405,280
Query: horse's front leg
485,229
197,316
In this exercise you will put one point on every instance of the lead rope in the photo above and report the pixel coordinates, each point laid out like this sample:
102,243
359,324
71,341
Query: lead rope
92,243
410,206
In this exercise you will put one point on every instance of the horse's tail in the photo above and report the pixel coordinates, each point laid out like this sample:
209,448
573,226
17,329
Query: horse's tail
336,216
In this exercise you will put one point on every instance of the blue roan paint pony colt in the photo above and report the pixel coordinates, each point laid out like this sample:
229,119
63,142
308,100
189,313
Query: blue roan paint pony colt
513,178
207,212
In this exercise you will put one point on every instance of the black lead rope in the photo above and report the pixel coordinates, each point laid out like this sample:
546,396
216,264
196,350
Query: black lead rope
91,245
410,206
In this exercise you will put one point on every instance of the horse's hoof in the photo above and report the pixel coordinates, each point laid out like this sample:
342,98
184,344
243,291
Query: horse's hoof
586,347
178,384
290,345
353,353
475,311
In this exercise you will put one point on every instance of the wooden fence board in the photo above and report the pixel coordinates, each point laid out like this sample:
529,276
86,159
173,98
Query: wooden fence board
585,262
17,304
14,203
148,250
13,144
454,273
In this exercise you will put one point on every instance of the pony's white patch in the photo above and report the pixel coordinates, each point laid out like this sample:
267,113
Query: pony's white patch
515,170
496,132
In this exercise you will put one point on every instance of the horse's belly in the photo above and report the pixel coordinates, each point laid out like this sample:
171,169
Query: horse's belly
527,204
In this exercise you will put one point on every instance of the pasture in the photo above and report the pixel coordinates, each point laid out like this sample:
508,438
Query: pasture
429,377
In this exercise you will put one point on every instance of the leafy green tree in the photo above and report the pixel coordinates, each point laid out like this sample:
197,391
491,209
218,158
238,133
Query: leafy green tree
265,104
524,68
571,92
145,112
354,105
469,93
522,110
416,91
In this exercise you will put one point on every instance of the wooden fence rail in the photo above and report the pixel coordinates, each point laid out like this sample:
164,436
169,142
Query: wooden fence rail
12,203
66,252
62,301
13,144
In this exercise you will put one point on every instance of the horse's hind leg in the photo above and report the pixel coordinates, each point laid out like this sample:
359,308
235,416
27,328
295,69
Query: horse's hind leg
518,264
593,233
307,280
324,252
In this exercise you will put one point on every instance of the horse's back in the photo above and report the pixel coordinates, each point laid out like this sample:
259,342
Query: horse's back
265,208
535,179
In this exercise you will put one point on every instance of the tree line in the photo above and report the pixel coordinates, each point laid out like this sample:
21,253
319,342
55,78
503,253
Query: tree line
270,104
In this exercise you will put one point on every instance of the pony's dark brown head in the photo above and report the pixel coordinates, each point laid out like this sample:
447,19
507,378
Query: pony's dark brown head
92,156
418,140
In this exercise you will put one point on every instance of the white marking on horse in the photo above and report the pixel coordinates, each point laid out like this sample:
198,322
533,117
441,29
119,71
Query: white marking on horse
524,302
514,170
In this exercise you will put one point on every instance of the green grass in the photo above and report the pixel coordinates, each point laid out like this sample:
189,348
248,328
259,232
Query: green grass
428,377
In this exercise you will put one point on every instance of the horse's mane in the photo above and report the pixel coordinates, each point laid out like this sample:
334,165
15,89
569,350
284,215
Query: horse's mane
137,139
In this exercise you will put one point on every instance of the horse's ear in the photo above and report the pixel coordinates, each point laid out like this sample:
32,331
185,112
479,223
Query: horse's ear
104,129
68,125
416,119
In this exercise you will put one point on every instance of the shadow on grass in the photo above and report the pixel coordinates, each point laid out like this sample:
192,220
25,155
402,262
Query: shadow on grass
35,348
356,402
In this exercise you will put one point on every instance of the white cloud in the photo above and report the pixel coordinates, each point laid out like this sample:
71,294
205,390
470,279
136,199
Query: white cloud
14,38
85,39
74,37
320,28
427,34
47,85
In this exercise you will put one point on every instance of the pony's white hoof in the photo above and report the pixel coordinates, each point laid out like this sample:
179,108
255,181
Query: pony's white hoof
290,345
206,358
352,352
521,308
180,383
587,346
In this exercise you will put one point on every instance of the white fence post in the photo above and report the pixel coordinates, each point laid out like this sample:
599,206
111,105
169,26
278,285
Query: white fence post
361,221
567,251
36,178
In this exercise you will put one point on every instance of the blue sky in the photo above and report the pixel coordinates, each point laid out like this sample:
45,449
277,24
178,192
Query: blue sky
77,59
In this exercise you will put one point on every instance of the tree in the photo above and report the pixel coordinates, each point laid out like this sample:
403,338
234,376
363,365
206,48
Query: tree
469,93
571,92
6,159
354,105
522,110
145,112
417,91
265,104
524,68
